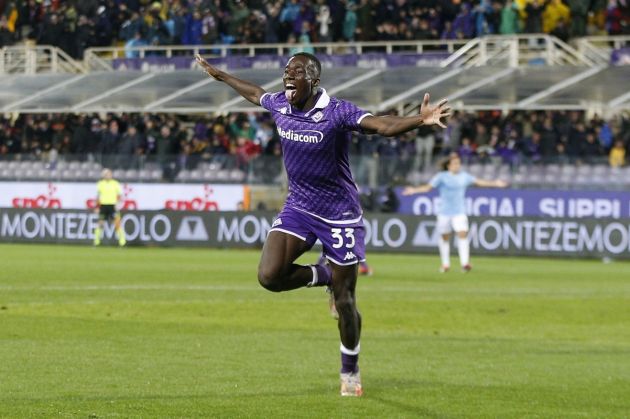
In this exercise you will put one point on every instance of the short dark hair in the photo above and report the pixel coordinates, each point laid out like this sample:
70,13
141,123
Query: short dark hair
314,60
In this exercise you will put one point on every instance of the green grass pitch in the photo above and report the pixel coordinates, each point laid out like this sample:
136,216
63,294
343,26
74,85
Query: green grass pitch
150,333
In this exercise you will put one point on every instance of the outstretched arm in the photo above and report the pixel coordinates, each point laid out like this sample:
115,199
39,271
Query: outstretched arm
248,90
389,126
498,183
410,190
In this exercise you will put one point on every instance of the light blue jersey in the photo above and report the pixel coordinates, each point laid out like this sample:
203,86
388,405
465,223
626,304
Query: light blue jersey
452,188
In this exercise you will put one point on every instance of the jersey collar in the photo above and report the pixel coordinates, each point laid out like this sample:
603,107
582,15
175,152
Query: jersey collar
321,103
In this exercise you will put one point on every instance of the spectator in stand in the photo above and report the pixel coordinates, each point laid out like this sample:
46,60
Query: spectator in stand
466,151
484,19
531,148
194,29
533,22
323,22
617,155
424,144
130,148
548,140
135,42
7,37
510,23
591,151
349,22
575,141
579,15
463,25
554,12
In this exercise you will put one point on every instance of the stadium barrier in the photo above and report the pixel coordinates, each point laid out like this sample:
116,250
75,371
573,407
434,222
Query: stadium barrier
526,236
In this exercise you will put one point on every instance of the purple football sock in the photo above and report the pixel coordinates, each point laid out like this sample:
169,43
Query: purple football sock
349,363
324,275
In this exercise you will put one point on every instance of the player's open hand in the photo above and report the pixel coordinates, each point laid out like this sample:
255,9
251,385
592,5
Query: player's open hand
434,114
208,68
409,190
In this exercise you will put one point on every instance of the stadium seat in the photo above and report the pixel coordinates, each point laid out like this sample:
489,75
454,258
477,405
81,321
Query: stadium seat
584,170
131,175
223,175
209,175
68,174
568,169
144,174
475,169
194,175
237,175
37,165
156,174
553,169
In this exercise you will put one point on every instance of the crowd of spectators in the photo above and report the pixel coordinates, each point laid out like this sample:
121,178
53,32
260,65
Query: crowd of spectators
245,141
75,25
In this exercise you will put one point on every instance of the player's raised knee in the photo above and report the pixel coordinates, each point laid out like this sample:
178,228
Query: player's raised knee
269,278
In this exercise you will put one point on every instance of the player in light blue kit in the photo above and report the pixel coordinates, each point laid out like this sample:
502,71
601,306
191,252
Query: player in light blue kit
323,200
452,183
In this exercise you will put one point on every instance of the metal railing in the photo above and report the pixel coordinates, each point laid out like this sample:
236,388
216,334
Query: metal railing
517,50
602,46
106,54
33,59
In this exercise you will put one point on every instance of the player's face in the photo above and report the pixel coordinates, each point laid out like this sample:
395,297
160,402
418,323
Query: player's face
299,82
454,165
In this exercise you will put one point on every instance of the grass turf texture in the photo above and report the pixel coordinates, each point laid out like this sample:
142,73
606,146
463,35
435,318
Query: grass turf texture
153,333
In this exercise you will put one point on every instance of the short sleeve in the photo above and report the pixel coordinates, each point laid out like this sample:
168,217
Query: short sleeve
350,115
267,100
436,180
470,179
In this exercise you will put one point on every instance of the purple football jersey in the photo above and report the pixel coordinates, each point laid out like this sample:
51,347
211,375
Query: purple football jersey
315,151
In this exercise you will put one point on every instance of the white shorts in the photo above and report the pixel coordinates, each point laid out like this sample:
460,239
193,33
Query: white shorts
448,223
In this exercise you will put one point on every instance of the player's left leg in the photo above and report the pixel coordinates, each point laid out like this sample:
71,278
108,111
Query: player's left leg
460,225
122,240
344,280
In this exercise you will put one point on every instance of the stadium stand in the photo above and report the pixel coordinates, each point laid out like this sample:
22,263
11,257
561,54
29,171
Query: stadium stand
530,106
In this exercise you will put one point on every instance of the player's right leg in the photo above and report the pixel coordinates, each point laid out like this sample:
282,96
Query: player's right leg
444,246
98,231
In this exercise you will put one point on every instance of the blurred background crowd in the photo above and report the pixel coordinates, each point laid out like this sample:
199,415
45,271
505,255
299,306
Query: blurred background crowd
75,25
238,140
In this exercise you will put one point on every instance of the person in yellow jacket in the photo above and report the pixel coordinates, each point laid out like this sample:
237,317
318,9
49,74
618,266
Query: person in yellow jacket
617,156
108,197
554,12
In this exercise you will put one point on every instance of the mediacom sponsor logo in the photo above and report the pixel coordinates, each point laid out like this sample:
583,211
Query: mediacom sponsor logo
302,136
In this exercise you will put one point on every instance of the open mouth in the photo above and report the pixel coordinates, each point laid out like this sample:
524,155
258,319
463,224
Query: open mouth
289,91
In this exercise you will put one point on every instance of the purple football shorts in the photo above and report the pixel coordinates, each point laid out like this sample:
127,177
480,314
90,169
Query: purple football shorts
343,241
